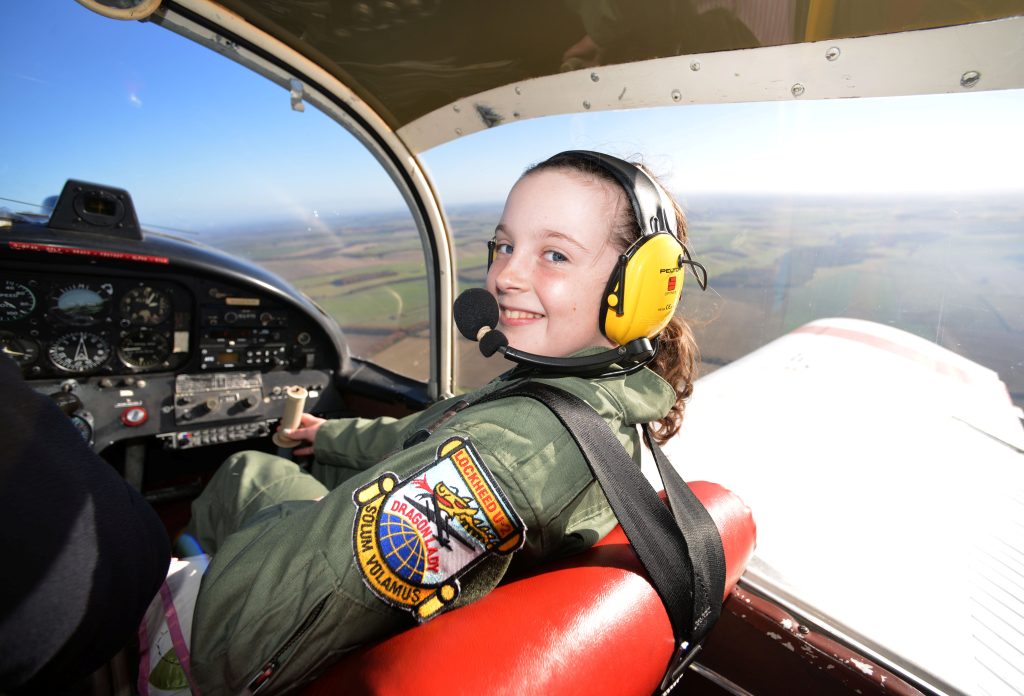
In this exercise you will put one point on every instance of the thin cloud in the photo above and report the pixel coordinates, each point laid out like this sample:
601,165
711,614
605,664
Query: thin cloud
31,79
134,99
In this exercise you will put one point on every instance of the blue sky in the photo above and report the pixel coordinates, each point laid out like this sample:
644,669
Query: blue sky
201,141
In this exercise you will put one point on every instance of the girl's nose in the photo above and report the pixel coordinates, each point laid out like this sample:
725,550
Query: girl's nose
511,272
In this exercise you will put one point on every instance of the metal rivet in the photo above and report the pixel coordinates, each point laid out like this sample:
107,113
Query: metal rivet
594,77
695,66
832,53
797,89
803,629
970,78
457,108
515,114
586,104
458,131
677,95
519,90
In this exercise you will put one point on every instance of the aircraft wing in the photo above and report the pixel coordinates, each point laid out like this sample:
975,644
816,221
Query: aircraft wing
887,474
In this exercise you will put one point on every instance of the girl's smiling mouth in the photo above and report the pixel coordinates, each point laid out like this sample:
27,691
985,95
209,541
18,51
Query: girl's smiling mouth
518,316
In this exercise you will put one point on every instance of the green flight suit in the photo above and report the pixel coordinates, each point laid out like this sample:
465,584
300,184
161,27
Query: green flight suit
280,568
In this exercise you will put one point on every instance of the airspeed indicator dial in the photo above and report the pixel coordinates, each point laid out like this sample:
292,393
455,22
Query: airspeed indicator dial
79,351
16,300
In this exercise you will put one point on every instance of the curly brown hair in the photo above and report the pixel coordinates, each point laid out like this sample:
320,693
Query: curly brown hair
677,358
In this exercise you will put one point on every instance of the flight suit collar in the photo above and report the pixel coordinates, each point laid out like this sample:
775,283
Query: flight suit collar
641,397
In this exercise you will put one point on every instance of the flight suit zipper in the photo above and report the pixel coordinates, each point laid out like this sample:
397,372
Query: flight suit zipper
270,666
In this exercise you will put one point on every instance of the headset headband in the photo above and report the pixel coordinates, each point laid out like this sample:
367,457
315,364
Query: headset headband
652,206
644,288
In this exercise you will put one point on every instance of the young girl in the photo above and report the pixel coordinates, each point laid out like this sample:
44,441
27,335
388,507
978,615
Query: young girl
423,514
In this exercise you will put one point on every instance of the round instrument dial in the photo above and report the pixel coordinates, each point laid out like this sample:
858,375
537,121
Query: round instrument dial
83,426
79,304
16,300
79,351
143,348
23,350
145,306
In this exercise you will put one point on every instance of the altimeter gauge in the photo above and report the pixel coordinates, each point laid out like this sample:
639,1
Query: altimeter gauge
23,350
79,351
145,306
16,300
143,348
80,304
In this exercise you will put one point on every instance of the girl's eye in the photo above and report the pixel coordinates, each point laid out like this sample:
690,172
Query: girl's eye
503,248
555,256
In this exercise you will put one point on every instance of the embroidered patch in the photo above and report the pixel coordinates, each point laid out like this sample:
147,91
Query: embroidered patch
414,538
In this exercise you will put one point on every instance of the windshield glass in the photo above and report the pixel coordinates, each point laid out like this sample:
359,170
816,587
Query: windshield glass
903,211
212,152
851,440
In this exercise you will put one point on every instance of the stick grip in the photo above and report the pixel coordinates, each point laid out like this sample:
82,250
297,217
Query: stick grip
295,403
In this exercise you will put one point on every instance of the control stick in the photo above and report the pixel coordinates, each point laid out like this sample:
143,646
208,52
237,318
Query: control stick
295,403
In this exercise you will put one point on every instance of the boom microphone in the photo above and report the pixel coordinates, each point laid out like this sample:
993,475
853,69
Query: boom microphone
476,314
475,309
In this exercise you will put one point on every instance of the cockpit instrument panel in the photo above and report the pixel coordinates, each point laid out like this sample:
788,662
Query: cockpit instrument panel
149,338
127,350
63,324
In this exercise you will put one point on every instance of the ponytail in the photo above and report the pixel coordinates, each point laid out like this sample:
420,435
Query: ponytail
676,363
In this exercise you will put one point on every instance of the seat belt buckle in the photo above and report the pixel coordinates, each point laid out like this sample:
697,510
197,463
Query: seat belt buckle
684,655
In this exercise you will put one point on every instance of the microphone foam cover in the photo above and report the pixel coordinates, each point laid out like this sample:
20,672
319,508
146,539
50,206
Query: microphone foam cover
474,309
491,342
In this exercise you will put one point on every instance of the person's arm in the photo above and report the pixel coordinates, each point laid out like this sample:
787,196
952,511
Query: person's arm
83,553
345,446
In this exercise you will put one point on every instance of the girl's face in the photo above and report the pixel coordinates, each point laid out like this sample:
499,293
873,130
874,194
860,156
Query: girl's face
552,260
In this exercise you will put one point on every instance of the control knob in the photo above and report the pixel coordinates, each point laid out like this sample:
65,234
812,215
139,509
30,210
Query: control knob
134,416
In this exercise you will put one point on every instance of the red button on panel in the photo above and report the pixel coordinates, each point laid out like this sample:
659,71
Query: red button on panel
134,416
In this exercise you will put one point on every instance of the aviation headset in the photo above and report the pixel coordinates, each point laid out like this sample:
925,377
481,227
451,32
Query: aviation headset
647,282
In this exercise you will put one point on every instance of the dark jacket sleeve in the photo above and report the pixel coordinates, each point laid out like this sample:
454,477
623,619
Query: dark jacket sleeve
82,552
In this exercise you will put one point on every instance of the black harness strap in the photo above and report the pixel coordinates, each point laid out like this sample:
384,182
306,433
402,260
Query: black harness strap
681,549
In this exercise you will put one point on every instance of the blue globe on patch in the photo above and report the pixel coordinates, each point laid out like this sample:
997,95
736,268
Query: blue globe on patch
404,550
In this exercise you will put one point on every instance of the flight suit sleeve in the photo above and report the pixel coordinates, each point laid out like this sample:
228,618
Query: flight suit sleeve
347,445
544,474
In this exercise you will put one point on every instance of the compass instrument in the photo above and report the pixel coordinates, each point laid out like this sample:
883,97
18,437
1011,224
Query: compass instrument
79,351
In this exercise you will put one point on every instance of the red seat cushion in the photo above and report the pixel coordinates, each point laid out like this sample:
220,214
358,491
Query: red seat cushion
591,623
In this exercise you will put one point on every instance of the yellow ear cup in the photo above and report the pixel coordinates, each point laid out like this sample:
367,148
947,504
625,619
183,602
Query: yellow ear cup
640,300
